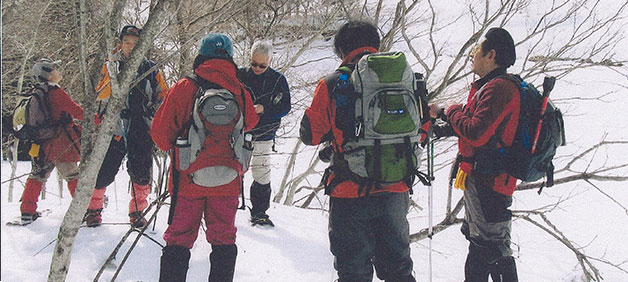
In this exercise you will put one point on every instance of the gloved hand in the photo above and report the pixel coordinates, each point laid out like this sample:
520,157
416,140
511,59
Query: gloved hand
443,130
325,154
65,119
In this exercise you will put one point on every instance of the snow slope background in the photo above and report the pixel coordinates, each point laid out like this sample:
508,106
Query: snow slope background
297,249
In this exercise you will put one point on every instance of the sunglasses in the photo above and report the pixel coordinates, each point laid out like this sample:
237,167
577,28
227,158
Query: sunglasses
256,65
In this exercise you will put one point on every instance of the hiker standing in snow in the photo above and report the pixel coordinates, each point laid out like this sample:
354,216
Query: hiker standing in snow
271,96
367,221
131,136
194,193
488,120
62,150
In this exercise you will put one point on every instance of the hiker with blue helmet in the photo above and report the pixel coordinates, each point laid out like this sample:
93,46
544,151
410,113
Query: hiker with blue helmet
271,96
62,150
131,136
488,121
191,201
367,220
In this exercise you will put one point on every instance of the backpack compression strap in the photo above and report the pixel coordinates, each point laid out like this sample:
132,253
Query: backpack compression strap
332,82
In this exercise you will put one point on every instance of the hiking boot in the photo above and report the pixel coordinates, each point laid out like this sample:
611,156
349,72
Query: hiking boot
137,220
93,218
261,219
28,218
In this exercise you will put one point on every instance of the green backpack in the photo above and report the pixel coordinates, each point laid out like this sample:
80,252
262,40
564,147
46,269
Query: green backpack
380,107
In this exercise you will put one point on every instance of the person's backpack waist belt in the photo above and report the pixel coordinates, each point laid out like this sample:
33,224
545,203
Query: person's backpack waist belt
489,162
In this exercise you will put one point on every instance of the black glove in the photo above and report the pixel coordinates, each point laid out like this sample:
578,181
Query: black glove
443,130
325,154
441,115
65,119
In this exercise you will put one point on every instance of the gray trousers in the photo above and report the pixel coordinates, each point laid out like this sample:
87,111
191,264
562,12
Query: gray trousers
487,226
487,219
370,231
41,171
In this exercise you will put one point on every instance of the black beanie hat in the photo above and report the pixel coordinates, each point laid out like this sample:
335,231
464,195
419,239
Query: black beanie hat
130,30
355,34
499,39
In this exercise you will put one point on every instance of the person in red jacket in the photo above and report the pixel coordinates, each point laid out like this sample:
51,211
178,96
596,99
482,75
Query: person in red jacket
365,229
488,121
213,65
63,150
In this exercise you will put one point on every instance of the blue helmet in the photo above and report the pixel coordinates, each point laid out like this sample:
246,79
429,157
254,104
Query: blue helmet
216,45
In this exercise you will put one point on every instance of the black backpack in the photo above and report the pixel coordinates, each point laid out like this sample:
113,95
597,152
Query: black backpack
31,116
518,160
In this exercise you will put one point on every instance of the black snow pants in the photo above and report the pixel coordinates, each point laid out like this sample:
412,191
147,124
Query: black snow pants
371,231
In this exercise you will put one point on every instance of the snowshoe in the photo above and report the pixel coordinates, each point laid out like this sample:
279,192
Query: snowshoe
25,219
261,219
93,218
137,220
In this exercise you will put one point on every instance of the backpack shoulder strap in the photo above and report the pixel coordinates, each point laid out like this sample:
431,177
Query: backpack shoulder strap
332,81
515,78
186,126
40,91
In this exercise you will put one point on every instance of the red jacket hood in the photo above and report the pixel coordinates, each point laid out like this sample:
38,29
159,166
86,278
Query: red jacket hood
356,54
221,72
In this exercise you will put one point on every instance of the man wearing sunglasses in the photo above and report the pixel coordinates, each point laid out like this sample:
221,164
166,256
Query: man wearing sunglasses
271,97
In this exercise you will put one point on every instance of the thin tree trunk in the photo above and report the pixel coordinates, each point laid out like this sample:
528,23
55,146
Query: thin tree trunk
88,170
92,160
60,184
13,168
293,159
293,186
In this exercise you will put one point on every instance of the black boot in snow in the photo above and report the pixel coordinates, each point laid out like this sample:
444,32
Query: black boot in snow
260,198
175,261
261,219
506,270
222,263
477,267
28,218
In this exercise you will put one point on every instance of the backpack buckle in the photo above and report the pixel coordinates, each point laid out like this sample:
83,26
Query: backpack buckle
232,141
358,128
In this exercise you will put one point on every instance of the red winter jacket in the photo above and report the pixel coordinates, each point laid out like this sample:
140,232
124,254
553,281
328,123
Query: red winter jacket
176,109
491,114
65,146
316,128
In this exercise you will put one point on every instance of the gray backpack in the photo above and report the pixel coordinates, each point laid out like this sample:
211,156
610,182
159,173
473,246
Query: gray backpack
31,117
215,149
383,112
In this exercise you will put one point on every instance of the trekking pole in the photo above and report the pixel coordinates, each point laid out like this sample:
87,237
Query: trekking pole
430,196
548,85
